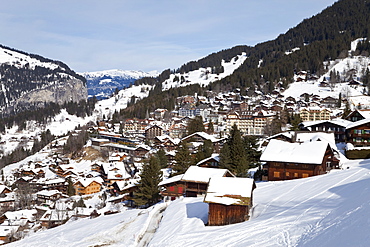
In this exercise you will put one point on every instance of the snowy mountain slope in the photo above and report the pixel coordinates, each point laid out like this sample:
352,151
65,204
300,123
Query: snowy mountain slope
103,83
108,106
122,229
203,76
326,210
19,60
28,81
354,66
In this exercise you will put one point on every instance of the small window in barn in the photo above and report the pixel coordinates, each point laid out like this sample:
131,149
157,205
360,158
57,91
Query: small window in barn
276,174
180,190
304,175
296,174
172,188
287,174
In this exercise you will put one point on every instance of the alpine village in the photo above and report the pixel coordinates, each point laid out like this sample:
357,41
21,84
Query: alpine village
217,131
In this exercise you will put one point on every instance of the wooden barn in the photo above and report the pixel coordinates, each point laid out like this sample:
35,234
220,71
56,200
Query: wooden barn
286,160
230,200
196,179
173,187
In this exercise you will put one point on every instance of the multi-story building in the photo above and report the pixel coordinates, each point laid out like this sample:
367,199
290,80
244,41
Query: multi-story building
314,114
249,123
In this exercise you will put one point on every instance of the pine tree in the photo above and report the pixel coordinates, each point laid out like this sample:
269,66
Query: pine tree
204,151
148,189
233,155
296,120
251,146
162,158
211,128
195,125
70,188
346,111
182,158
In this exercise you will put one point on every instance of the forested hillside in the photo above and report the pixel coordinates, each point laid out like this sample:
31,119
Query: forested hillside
307,46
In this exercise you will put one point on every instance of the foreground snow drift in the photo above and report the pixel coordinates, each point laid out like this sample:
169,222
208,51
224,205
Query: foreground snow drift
326,210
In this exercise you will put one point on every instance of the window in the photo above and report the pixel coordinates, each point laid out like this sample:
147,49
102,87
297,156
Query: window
276,174
180,190
296,174
287,174
305,175
172,188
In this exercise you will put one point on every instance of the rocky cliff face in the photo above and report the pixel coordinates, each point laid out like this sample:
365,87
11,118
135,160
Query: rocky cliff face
70,90
29,81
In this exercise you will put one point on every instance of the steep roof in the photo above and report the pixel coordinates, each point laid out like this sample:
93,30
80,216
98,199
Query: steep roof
305,153
171,180
215,157
358,123
204,135
337,121
203,174
229,190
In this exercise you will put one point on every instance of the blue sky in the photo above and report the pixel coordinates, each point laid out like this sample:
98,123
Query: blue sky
91,35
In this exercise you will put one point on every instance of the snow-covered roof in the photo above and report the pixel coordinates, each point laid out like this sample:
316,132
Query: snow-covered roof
338,121
213,156
306,152
3,187
204,135
21,214
229,190
358,123
203,174
87,181
7,230
171,180
48,192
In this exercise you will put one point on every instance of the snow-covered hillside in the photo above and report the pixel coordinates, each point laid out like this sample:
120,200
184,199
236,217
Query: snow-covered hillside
326,210
21,60
108,106
350,67
203,76
103,83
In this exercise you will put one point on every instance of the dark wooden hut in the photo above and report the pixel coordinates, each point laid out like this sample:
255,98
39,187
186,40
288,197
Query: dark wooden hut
230,200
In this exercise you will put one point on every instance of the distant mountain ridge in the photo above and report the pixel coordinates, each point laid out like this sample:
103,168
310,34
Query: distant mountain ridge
310,45
104,83
29,81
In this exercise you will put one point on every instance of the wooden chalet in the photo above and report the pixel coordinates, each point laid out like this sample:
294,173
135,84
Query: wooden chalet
358,133
53,218
337,126
196,179
286,160
358,115
213,161
153,131
6,233
141,151
173,187
230,200
88,186
49,196
202,137
166,142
